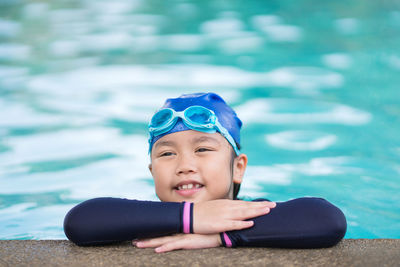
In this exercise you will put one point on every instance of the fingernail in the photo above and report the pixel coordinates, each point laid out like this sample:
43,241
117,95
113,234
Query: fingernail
270,204
139,244
158,250
267,210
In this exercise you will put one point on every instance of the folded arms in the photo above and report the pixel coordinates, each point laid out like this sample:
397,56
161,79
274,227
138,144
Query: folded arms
298,223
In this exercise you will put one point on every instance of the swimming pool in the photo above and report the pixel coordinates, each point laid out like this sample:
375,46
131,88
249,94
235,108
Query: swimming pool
316,85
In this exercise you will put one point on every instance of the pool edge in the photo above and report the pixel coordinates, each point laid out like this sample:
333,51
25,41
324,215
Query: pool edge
349,252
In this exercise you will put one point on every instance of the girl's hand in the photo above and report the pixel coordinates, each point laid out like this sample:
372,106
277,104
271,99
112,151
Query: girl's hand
216,216
180,241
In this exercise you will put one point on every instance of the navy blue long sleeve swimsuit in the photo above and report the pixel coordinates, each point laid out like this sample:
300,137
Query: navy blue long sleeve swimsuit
298,223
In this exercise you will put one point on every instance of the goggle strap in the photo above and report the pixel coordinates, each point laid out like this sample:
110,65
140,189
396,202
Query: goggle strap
228,137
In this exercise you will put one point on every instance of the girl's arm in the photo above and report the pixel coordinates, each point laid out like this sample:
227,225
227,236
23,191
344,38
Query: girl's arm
298,223
106,220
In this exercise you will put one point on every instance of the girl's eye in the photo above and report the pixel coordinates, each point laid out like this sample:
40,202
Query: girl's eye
203,149
166,154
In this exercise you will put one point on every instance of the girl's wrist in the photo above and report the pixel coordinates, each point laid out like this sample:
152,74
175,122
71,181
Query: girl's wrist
219,240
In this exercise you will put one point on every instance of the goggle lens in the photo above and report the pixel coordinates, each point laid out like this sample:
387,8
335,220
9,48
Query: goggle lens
198,115
161,118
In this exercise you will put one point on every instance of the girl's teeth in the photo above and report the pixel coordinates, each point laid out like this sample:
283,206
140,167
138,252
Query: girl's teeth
188,186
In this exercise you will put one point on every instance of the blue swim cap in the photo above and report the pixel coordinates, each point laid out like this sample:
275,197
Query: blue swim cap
225,114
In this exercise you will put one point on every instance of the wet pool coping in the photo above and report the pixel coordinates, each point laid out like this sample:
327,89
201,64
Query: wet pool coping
349,252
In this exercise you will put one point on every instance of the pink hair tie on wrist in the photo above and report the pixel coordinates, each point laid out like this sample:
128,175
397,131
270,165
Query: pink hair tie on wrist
186,217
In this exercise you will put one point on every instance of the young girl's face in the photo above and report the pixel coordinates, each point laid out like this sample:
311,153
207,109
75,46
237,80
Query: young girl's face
195,166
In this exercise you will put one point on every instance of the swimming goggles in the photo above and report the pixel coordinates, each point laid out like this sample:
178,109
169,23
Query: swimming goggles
197,118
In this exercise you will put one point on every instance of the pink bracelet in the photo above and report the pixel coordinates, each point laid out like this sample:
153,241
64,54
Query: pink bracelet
186,217
228,242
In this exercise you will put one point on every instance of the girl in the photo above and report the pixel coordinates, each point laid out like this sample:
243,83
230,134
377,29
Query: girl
197,169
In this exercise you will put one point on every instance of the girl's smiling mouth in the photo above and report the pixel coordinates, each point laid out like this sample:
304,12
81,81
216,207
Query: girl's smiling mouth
188,188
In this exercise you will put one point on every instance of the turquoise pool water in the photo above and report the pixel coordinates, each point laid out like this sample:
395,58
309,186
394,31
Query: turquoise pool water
315,82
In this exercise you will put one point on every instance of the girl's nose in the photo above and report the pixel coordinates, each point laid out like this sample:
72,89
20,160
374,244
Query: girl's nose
186,164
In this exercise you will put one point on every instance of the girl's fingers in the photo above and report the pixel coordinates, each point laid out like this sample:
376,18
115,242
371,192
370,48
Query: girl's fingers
239,225
269,204
178,244
210,217
154,242
255,204
244,214
232,225
248,210
191,241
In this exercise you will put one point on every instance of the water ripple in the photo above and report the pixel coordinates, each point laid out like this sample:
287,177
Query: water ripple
296,111
301,140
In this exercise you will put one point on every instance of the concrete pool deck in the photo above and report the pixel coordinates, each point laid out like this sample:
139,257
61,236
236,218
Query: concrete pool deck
349,252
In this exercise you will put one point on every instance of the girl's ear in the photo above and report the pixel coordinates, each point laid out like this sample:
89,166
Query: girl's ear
239,167
151,168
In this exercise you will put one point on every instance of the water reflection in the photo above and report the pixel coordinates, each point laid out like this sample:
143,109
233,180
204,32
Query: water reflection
317,94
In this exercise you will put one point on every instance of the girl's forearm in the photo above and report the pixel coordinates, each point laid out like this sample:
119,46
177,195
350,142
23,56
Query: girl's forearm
106,220
298,223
